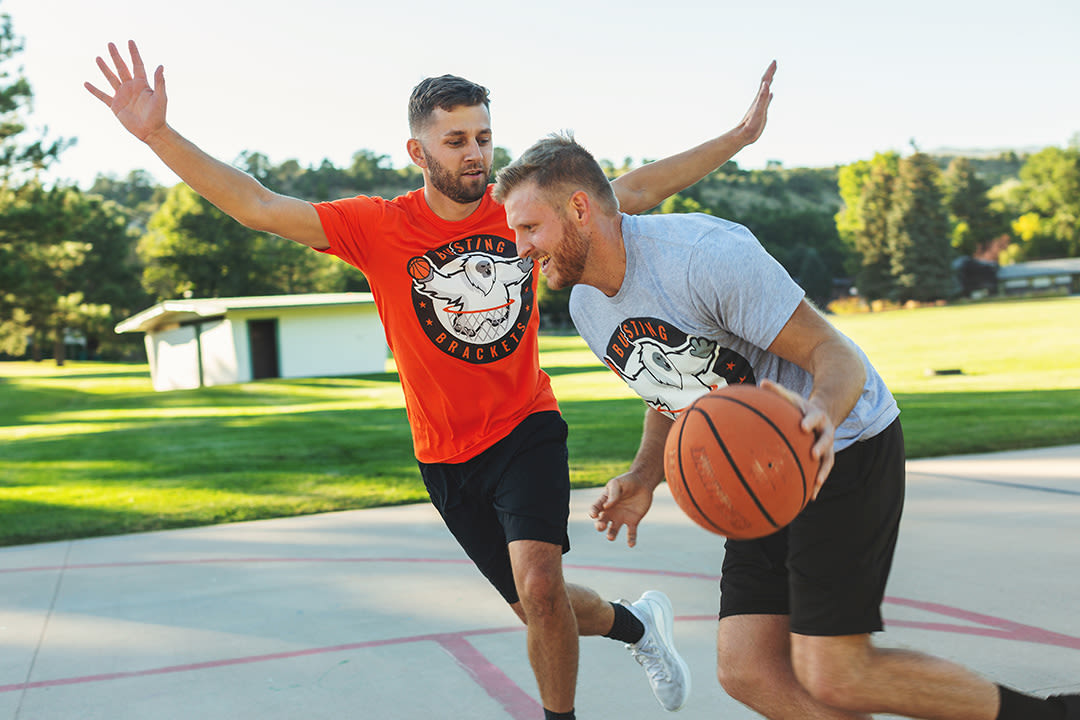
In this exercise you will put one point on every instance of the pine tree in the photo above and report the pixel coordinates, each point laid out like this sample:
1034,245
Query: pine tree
918,233
874,278
974,225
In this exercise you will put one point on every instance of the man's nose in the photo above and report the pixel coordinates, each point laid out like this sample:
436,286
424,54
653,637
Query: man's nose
524,247
472,150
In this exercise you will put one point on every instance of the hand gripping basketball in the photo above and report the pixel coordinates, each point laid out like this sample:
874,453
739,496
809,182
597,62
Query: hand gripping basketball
738,462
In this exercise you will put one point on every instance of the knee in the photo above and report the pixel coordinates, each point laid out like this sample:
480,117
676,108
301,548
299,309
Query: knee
542,593
832,676
743,676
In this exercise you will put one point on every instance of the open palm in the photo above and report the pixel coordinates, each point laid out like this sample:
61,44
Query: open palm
138,107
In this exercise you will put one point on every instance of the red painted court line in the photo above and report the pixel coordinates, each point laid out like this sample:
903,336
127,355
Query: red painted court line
488,676
1006,629
440,638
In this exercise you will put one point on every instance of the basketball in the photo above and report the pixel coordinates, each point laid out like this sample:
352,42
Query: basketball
738,463
419,267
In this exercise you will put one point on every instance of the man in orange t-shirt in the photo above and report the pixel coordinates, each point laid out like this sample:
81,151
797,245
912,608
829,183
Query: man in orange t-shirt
459,314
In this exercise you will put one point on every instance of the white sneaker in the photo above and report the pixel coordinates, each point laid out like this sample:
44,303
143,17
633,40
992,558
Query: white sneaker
655,651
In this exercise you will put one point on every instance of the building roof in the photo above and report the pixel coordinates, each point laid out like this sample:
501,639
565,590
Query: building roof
174,312
1039,268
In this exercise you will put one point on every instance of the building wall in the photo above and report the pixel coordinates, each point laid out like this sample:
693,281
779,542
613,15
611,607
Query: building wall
311,342
317,341
340,340
174,360
218,353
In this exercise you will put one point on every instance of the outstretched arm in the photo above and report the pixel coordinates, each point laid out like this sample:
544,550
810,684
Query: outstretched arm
628,497
648,186
141,110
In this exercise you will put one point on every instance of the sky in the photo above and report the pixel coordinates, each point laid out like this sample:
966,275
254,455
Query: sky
323,79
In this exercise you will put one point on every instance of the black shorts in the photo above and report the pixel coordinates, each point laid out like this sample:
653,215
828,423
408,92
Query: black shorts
828,568
518,489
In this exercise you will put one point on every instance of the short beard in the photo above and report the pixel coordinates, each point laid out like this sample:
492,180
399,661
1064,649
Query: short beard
571,257
451,185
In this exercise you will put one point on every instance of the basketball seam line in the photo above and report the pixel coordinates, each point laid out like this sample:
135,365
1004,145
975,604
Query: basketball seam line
791,449
686,485
735,467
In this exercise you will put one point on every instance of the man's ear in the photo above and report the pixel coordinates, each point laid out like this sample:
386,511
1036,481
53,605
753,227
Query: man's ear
416,153
579,207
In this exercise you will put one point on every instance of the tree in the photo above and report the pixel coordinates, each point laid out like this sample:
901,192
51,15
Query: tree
866,188
1049,191
16,157
43,245
192,249
974,225
136,196
918,233
109,275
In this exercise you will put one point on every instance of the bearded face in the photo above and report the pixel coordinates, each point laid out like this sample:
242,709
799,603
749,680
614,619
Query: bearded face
463,186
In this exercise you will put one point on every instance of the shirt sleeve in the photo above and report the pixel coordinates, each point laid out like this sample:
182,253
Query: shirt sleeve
346,223
742,287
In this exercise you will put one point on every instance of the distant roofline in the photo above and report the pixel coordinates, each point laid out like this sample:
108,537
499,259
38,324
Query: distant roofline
176,311
1037,268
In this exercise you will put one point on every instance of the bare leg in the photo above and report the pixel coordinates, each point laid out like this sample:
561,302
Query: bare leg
595,616
552,631
849,672
753,664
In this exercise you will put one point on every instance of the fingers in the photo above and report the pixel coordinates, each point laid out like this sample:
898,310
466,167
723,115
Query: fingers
108,73
159,80
136,60
794,398
631,535
770,71
102,96
598,507
121,67
823,473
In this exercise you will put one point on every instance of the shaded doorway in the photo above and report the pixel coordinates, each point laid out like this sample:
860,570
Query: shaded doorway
262,338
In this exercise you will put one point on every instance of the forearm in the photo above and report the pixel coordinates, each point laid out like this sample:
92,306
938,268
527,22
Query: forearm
647,186
839,377
236,193
648,463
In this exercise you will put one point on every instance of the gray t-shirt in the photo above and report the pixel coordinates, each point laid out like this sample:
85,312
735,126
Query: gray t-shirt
700,302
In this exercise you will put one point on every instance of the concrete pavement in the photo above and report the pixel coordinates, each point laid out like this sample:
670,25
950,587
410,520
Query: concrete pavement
377,614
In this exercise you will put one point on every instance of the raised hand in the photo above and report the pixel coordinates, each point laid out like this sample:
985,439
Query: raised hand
138,107
753,123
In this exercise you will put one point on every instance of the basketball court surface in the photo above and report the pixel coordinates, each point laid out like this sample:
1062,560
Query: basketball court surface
377,613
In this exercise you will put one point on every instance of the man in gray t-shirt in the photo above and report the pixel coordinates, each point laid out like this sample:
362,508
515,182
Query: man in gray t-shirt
690,316
679,304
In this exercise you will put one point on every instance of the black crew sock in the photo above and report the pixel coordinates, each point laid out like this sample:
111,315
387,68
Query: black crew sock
1018,706
549,715
626,628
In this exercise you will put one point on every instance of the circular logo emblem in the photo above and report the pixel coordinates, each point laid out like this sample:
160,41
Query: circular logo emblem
473,297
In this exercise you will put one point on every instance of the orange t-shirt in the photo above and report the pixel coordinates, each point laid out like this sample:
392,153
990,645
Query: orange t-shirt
458,308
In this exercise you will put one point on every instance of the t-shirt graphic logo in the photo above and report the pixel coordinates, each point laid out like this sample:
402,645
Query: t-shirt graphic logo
670,369
473,297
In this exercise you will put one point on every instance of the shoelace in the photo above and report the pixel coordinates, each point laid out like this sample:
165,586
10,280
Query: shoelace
648,656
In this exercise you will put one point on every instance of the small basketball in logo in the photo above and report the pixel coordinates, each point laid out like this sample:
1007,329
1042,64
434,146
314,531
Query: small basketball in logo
419,267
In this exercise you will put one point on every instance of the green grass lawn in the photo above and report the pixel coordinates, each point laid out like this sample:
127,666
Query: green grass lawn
90,449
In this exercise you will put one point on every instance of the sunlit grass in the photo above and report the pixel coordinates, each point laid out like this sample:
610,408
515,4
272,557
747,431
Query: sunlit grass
90,448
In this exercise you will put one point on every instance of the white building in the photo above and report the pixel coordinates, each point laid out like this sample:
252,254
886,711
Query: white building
1036,275
194,343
